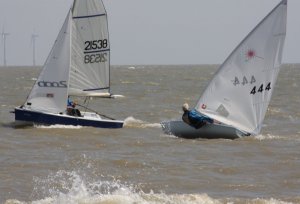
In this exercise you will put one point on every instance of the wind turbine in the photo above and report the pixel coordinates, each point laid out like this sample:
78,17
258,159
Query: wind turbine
33,38
4,35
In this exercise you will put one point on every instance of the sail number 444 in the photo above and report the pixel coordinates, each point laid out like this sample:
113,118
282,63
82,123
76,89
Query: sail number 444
261,88
236,81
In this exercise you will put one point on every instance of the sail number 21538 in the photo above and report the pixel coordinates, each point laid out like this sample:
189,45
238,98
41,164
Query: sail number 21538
95,44
95,51
95,58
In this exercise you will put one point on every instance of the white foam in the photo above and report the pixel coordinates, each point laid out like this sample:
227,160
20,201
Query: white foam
69,187
127,82
132,122
57,126
274,110
117,96
267,137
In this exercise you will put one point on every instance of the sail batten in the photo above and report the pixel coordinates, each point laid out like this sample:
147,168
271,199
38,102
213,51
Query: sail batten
96,51
90,16
96,89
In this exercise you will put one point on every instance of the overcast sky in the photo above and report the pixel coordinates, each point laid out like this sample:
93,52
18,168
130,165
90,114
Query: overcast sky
148,31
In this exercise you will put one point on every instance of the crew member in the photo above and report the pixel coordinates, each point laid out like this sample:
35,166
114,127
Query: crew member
194,118
71,110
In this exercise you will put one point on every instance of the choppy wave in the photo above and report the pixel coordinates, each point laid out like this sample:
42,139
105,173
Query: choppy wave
128,82
135,123
150,199
69,187
267,137
278,137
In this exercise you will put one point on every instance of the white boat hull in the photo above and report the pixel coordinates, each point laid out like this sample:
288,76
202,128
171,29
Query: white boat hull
210,131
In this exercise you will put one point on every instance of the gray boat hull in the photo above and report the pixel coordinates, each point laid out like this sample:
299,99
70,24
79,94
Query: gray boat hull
210,131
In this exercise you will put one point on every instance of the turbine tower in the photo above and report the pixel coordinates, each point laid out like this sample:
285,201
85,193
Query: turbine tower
33,38
4,35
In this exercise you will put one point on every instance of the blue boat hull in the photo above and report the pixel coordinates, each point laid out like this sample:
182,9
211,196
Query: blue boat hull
54,119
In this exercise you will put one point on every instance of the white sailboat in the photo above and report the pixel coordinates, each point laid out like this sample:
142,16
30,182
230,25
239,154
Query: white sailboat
78,65
240,91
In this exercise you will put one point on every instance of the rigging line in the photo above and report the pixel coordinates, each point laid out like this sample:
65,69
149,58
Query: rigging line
96,112
86,100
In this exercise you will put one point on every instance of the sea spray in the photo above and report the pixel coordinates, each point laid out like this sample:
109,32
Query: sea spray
135,123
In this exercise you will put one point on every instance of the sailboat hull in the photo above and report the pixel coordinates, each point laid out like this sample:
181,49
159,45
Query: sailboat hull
62,119
210,131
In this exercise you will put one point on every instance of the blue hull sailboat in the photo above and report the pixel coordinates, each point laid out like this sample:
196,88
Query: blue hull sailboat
88,119
77,66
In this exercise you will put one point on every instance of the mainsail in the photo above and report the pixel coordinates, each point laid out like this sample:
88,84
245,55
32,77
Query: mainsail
90,50
49,93
241,89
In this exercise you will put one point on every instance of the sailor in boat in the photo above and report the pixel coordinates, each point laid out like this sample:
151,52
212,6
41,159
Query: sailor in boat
194,118
71,108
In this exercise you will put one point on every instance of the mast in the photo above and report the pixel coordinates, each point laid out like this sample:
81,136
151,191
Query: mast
33,38
4,36
109,62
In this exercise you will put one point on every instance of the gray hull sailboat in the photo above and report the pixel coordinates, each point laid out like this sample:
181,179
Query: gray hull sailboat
240,92
78,65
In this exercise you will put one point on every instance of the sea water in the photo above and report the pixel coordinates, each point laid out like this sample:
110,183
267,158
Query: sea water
139,164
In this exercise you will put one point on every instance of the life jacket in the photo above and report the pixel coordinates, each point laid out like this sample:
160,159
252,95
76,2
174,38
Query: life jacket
197,120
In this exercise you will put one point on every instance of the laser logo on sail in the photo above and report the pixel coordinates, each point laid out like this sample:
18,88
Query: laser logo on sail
251,54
